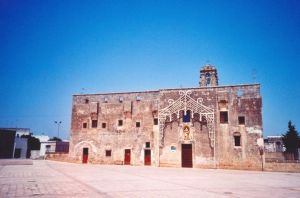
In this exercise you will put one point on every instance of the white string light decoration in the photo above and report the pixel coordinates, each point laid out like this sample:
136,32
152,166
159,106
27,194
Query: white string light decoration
185,102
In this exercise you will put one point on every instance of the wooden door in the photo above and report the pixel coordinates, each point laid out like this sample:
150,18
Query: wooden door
187,155
85,155
147,158
127,157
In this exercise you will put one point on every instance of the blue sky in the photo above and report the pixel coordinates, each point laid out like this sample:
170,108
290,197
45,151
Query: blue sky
50,50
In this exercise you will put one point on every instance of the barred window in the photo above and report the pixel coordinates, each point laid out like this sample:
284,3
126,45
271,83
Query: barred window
224,117
94,123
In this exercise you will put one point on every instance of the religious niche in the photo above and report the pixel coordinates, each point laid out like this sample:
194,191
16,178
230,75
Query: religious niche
186,132
190,107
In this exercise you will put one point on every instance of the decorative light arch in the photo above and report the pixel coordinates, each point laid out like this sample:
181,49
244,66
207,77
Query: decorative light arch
186,102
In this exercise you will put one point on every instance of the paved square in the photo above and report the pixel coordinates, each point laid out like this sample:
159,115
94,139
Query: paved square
59,179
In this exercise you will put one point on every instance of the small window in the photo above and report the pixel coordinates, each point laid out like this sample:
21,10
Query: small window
84,125
86,101
94,123
237,140
105,99
208,79
138,98
147,144
223,101
103,125
85,151
224,117
155,120
173,148
241,119
187,116
108,153
120,122
138,124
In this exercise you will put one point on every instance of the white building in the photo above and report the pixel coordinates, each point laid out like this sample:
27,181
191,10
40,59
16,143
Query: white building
47,147
274,144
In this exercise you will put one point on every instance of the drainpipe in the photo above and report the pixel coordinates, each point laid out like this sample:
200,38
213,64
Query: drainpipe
215,164
261,152
14,149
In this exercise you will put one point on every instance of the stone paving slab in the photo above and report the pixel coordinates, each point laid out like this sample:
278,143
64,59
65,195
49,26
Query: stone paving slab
61,179
39,180
4,162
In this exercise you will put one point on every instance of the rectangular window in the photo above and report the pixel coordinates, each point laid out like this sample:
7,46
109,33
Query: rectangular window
120,122
241,119
237,140
187,116
223,117
84,125
155,121
103,125
85,151
108,153
147,144
94,123
138,124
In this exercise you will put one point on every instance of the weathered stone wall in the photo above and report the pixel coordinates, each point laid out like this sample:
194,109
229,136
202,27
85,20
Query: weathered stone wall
282,167
143,107
173,133
64,157
274,157
244,101
109,109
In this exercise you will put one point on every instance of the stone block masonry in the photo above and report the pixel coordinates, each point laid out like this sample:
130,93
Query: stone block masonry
209,126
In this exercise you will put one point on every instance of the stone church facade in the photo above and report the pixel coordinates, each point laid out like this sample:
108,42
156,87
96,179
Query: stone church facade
210,126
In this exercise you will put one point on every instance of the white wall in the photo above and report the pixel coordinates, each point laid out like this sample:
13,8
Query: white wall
44,148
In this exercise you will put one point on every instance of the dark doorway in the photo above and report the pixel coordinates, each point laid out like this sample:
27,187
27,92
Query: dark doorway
17,153
187,155
147,159
127,157
7,141
85,155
